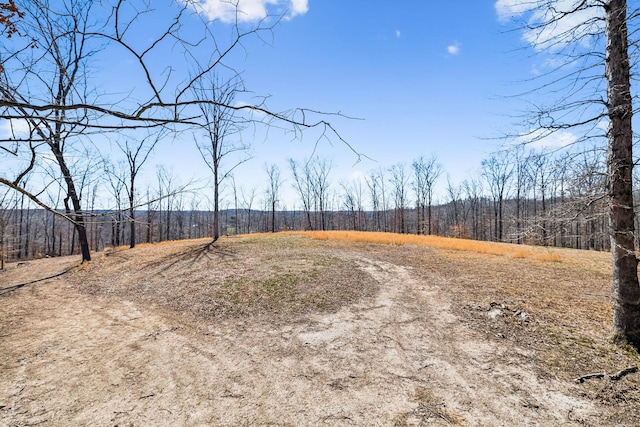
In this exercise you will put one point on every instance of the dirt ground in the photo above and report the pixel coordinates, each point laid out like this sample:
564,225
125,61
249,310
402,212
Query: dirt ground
289,331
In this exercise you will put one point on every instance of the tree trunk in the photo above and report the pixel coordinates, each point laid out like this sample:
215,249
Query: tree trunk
132,228
626,291
429,216
216,205
273,216
149,225
2,237
72,195
20,229
132,209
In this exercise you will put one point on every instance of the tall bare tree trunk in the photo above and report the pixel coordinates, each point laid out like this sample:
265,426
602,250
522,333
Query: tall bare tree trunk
72,194
216,205
626,290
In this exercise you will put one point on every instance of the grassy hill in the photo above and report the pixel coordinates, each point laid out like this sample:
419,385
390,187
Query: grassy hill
363,327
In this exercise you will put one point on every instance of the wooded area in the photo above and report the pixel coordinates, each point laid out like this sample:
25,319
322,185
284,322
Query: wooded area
520,196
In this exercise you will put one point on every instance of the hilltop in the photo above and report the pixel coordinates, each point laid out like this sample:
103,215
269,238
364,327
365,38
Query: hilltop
288,330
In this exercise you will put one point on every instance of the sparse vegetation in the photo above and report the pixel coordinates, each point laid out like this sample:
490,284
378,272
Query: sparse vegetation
438,242
336,317
242,276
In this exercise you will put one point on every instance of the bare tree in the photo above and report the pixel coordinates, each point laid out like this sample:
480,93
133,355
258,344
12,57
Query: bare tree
167,191
626,290
151,215
50,232
273,191
473,192
561,176
592,38
497,172
114,175
539,168
303,185
136,155
377,189
162,96
352,200
457,209
247,201
49,83
519,158
236,206
399,182
311,181
319,174
58,68
5,214
587,193
221,124
425,174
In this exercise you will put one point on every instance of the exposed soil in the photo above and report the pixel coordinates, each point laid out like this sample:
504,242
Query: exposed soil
284,330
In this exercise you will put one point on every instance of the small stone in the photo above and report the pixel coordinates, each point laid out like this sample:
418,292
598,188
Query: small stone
494,313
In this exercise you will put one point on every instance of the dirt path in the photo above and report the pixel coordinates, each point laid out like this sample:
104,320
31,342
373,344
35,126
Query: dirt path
401,359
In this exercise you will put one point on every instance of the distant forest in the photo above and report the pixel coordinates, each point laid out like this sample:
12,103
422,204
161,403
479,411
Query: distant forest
74,157
519,196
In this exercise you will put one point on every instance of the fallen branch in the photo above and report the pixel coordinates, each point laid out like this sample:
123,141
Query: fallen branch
588,377
614,377
623,372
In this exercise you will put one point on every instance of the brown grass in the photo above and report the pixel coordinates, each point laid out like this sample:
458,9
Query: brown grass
236,277
437,242
565,293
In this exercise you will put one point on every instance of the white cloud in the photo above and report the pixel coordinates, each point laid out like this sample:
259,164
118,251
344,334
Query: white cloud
397,34
248,10
563,31
14,128
507,9
298,7
540,139
454,49
566,30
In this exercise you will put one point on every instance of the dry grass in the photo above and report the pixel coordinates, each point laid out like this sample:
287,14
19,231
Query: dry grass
437,242
565,293
568,303
236,277
280,277
431,410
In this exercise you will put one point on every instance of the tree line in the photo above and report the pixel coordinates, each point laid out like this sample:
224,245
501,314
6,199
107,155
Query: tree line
520,195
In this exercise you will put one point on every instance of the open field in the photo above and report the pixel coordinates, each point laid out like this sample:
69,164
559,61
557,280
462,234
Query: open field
338,329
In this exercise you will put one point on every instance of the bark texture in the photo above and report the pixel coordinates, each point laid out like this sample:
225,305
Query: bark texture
626,290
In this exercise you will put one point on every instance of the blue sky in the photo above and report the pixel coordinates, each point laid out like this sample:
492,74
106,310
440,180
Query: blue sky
423,78
417,77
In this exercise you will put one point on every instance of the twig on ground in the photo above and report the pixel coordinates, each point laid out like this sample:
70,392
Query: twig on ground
623,372
614,377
